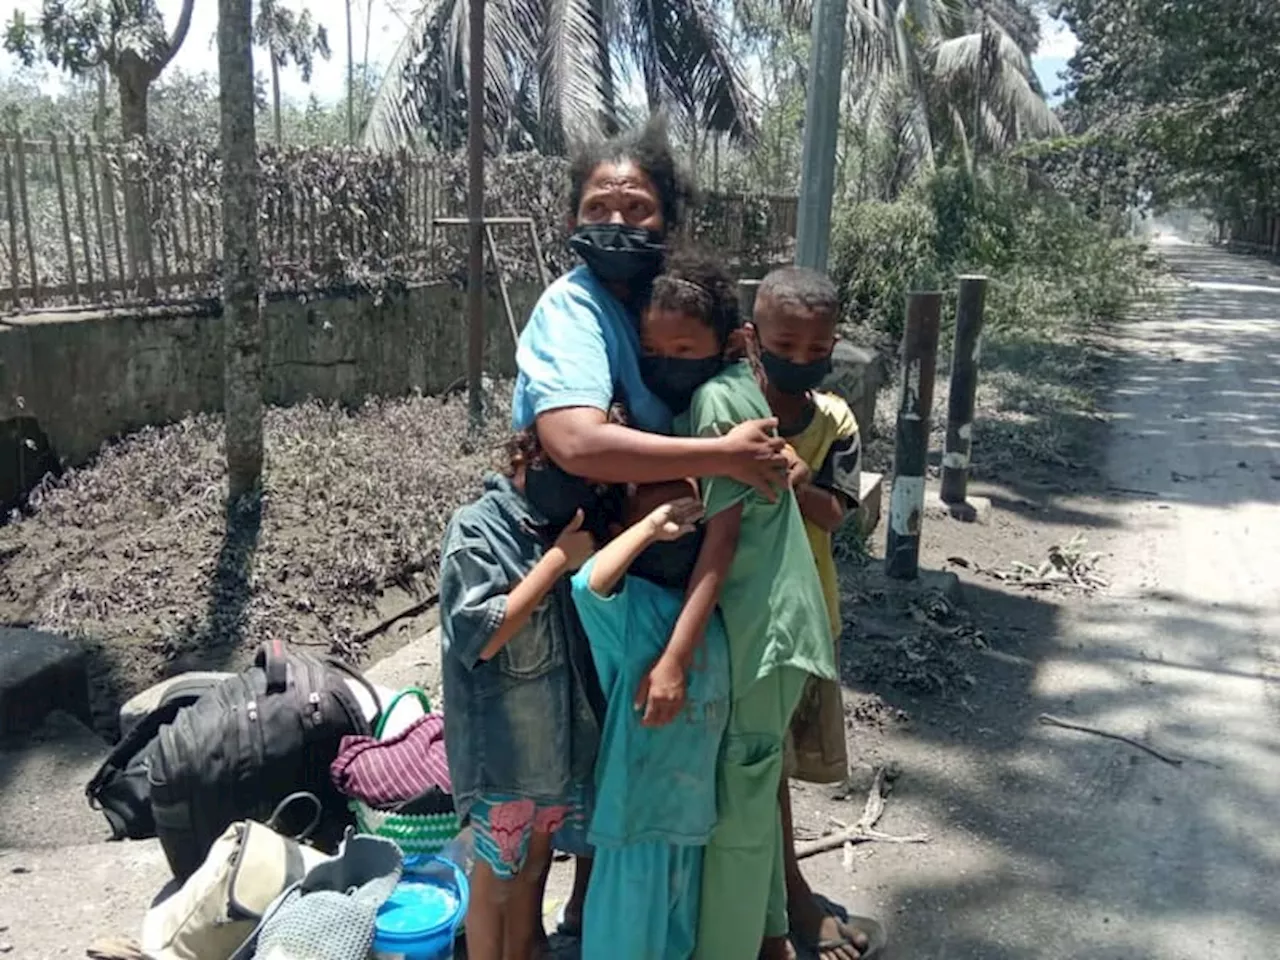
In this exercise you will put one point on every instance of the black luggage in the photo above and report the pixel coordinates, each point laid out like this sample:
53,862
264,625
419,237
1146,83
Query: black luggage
120,788
253,740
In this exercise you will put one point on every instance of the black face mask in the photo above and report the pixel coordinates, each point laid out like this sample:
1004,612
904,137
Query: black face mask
670,563
619,252
673,380
558,496
794,378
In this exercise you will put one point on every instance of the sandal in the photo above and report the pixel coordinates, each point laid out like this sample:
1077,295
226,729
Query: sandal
875,933
567,928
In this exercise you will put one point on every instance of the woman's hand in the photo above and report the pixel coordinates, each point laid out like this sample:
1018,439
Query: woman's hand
574,543
753,455
674,519
661,695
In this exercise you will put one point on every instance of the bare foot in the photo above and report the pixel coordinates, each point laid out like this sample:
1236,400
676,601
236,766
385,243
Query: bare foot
777,948
830,938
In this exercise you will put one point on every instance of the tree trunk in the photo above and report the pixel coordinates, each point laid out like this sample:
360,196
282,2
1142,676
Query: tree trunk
241,320
134,80
100,115
275,100
351,83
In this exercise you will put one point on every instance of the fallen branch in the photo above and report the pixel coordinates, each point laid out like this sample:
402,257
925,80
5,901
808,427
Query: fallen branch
1053,721
864,830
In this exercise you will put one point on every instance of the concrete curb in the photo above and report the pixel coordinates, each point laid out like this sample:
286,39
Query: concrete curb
39,673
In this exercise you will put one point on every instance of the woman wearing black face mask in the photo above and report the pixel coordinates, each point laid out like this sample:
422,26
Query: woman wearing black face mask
580,351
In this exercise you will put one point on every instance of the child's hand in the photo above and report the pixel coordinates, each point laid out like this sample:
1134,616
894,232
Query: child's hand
675,519
661,695
798,471
576,544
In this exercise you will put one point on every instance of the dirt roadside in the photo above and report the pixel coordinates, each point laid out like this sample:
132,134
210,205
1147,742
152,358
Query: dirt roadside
1049,843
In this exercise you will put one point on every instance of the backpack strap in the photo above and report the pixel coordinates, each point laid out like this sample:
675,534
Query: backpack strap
361,679
137,737
273,660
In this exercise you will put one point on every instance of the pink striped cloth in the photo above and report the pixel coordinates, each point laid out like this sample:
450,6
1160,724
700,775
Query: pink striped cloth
388,773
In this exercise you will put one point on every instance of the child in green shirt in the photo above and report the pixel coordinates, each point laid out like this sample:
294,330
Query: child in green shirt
792,335
756,564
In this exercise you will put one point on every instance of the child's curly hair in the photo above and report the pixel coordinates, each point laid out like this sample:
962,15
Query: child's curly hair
697,284
522,448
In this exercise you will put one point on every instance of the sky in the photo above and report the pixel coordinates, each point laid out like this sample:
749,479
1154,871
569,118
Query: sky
386,22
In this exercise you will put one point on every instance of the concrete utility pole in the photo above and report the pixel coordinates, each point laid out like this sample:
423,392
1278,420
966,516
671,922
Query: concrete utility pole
964,387
821,130
475,216
911,441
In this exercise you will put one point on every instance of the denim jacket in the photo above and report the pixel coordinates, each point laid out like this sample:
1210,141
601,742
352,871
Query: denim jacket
526,722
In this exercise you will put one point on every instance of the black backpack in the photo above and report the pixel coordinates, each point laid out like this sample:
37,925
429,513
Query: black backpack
253,740
120,788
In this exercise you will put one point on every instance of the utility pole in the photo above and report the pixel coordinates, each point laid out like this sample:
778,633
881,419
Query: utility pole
475,216
351,82
821,131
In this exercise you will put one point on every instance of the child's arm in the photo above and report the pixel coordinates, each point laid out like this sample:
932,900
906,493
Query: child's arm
482,610
582,442
826,497
662,694
568,553
668,521
823,508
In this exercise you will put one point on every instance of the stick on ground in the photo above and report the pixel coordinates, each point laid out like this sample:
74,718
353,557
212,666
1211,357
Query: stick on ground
1053,721
864,830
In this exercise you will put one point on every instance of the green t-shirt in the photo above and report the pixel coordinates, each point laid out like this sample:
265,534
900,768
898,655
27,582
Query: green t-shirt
774,610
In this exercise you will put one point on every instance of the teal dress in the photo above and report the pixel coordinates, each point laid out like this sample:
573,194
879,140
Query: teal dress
655,803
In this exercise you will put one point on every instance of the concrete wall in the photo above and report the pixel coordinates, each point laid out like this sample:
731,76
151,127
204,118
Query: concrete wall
70,381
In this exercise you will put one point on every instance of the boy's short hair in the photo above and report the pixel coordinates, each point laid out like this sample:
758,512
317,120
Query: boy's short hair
696,283
801,286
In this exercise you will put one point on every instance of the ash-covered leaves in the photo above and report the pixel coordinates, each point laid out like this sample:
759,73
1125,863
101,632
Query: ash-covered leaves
135,550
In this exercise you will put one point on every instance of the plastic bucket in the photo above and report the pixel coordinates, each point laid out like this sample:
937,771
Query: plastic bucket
420,919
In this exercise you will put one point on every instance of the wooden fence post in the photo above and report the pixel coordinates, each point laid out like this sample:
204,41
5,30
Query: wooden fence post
11,208
911,441
65,217
97,216
26,219
963,390
74,160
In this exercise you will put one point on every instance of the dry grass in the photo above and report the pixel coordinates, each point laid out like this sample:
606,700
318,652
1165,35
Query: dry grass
136,553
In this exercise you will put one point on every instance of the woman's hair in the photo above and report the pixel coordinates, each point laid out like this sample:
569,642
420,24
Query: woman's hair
650,150
696,284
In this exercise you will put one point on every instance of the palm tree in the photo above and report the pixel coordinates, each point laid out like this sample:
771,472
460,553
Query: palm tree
241,319
551,72
288,37
940,79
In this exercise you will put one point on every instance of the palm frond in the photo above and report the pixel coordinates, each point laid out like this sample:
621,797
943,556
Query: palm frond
684,55
570,71
395,117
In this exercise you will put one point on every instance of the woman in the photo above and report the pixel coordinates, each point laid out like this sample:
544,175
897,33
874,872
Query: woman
580,351
579,354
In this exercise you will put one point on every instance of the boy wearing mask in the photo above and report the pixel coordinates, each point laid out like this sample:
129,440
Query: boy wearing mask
791,336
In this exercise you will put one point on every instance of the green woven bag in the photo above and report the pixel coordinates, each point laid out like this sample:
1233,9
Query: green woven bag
412,833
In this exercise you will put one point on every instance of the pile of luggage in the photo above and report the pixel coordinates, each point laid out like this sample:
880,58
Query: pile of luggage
301,810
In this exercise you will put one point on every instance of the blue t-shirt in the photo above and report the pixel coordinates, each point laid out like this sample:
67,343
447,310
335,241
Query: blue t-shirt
653,785
581,348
